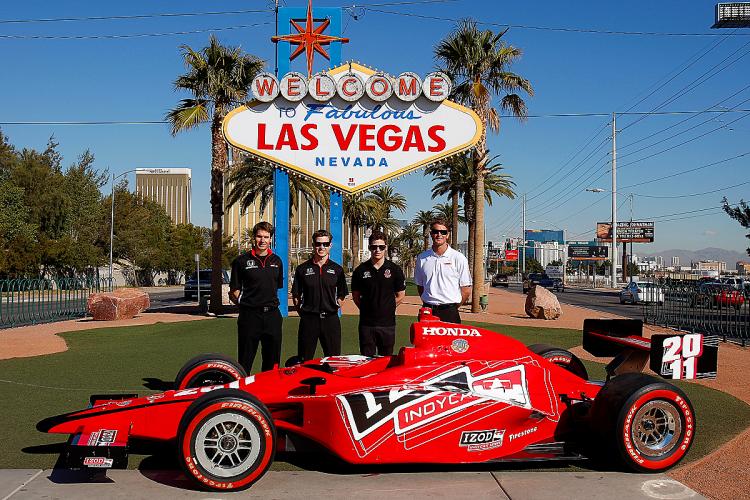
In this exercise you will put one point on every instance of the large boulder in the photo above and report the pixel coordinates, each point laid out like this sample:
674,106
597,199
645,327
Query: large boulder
123,303
542,304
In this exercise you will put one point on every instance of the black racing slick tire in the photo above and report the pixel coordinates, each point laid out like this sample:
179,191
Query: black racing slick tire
562,358
226,440
646,424
208,369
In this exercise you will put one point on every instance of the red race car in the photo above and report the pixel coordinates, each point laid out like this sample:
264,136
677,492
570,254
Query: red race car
460,394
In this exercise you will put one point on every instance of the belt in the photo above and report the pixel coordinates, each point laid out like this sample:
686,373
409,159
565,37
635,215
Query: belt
260,309
438,307
320,314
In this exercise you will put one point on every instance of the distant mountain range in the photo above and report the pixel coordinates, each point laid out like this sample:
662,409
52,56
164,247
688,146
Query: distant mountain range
686,256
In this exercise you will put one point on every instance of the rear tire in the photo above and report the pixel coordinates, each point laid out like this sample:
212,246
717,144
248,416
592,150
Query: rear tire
562,358
226,440
648,425
208,369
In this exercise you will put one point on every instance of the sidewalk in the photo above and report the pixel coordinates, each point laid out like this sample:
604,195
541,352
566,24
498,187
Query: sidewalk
130,484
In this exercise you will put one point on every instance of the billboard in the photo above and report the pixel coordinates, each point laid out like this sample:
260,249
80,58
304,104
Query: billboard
511,255
352,127
588,252
627,232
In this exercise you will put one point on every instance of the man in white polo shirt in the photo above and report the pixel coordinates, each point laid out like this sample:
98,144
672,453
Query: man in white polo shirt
442,275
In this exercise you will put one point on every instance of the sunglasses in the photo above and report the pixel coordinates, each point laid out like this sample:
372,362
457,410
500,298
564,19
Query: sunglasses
323,244
439,231
377,247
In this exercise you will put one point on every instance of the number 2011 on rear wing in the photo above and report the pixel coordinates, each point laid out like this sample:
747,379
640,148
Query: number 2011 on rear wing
678,355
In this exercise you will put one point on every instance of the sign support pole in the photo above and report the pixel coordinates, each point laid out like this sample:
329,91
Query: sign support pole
280,177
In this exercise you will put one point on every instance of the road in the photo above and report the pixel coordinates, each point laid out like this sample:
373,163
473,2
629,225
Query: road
599,300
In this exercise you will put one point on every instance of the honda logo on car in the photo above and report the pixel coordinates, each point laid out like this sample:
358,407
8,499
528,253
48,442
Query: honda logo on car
450,331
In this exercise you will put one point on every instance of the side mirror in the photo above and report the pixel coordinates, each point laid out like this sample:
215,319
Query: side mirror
313,382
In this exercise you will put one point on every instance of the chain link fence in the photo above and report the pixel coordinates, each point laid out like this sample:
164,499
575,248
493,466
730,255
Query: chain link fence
705,307
32,301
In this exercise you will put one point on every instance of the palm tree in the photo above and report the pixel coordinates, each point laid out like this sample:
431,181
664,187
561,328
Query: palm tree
382,200
219,78
478,63
424,218
444,211
407,245
449,182
357,209
252,180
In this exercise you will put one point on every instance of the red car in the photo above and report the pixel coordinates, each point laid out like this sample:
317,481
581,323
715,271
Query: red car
718,295
460,394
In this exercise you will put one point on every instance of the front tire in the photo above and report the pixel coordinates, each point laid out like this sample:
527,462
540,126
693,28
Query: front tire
226,440
647,424
208,369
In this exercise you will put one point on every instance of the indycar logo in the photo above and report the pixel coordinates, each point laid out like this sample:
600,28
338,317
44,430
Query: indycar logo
482,440
433,399
448,331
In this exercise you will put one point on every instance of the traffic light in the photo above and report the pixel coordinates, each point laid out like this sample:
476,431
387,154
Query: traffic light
489,245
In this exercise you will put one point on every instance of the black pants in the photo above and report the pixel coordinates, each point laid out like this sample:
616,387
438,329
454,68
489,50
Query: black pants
448,313
311,328
381,337
256,326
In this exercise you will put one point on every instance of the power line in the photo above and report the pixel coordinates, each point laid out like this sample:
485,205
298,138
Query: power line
691,194
134,16
551,28
136,35
685,171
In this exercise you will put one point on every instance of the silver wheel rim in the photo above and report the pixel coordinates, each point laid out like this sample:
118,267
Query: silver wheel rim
227,445
656,429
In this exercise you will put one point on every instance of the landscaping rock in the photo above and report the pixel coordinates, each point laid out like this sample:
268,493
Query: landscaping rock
542,304
123,303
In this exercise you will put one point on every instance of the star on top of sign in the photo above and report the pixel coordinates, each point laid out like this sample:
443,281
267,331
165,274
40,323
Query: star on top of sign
309,39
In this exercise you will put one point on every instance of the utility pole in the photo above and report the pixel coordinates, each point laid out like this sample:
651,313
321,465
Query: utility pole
523,233
613,271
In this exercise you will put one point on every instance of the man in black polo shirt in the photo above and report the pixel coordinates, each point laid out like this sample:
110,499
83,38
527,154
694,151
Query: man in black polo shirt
378,287
256,276
318,290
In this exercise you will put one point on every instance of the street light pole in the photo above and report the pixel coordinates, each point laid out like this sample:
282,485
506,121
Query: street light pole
614,202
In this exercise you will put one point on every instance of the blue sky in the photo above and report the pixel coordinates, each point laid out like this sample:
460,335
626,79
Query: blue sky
553,159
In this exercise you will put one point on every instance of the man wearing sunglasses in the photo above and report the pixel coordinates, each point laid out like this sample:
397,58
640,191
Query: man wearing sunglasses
442,275
378,287
318,290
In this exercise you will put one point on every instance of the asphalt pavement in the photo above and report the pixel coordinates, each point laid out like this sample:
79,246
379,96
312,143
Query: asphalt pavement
604,300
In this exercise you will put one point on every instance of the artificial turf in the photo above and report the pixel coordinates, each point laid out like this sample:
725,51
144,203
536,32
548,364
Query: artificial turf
145,359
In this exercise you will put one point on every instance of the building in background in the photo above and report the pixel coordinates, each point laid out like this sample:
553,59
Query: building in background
542,236
710,265
743,268
169,187
675,261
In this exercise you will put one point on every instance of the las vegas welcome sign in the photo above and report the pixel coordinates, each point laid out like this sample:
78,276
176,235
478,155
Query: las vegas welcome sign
352,127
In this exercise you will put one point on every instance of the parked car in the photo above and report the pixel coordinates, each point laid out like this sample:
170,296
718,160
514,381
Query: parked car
718,295
191,285
500,280
647,293
736,283
542,279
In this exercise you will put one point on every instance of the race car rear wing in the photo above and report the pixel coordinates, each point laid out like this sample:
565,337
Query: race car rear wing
678,355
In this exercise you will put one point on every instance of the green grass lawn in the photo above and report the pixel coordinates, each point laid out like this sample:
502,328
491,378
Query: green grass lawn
134,359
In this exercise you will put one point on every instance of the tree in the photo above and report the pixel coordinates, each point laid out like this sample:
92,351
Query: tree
424,218
382,200
450,182
408,245
740,213
533,266
478,63
219,79
357,209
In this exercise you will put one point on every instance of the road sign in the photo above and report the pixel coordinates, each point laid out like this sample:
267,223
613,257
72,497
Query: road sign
511,255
